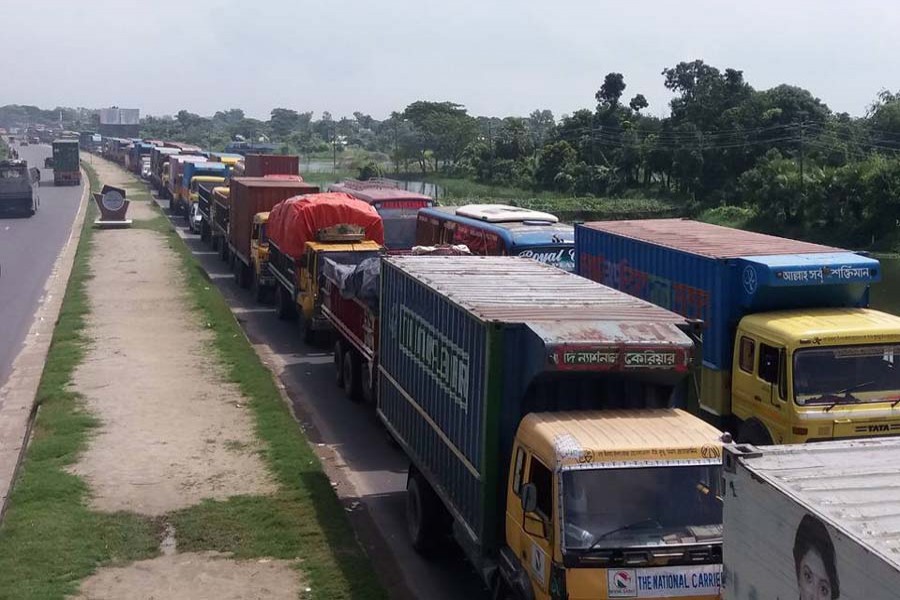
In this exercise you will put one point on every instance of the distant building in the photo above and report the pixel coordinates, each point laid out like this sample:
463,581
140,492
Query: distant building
119,122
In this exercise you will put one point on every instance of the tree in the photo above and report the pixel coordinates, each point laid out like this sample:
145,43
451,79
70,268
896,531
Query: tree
540,125
555,158
611,91
443,130
283,121
513,141
638,103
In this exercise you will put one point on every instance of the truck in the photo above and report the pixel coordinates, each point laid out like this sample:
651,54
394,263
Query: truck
350,293
176,177
18,183
219,214
814,521
66,165
302,233
159,158
538,413
204,207
260,165
191,173
249,196
791,353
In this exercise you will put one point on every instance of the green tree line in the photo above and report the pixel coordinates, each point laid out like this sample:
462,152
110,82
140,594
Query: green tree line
777,159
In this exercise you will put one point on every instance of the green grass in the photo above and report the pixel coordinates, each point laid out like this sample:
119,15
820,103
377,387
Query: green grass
323,180
738,217
304,518
457,191
49,539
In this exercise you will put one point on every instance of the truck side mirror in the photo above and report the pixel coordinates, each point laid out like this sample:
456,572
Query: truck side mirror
529,498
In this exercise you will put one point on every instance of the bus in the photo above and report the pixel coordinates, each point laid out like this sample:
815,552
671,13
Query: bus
499,229
398,208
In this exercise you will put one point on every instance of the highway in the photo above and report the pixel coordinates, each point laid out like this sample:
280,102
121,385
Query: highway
28,250
369,473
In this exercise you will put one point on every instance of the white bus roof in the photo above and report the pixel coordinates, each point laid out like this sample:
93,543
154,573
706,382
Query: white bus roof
503,213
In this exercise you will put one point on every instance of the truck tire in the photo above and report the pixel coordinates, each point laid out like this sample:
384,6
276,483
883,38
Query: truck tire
423,515
339,363
351,376
754,432
309,334
223,250
204,232
367,386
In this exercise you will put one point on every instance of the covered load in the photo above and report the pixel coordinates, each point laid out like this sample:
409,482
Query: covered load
296,221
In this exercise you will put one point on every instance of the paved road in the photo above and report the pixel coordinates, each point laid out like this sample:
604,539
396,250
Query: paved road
365,461
28,249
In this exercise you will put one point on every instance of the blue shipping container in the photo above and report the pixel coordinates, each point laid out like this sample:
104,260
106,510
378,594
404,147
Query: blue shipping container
718,274
469,345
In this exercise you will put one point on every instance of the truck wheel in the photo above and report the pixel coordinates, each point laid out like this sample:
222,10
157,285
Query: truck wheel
204,233
309,334
754,432
223,250
366,384
259,292
339,363
351,376
422,515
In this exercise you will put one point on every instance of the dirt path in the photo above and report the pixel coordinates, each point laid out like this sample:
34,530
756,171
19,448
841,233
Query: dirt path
172,432
193,576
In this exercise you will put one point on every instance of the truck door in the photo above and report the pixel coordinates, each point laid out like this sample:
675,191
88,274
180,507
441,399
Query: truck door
759,386
536,551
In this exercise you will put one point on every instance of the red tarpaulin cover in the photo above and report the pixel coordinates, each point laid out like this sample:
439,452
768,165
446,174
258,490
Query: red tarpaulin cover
295,221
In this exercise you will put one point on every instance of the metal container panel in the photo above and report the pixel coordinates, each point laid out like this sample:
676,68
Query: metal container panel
251,195
837,498
705,239
434,369
260,165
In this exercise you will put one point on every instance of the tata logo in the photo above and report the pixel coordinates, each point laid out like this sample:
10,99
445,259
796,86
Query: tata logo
877,428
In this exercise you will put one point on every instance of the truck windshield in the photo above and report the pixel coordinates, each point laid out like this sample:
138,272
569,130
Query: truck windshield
864,373
642,506
399,227
12,173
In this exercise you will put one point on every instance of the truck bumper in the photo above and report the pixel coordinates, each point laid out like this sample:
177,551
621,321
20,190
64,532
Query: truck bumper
67,178
16,205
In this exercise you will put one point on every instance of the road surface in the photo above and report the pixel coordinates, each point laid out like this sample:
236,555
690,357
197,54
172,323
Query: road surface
28,249
370,473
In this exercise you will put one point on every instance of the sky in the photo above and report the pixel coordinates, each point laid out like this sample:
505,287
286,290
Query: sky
496,57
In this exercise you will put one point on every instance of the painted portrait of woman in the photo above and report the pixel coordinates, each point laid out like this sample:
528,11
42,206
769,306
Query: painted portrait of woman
814,561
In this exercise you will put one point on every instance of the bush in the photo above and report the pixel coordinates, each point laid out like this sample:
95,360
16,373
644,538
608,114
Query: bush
370,170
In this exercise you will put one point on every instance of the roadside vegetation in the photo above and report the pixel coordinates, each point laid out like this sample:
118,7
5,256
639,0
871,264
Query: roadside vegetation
780,156
50,540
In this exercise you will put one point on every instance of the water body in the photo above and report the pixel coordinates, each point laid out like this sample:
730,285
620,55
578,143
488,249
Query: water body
886,294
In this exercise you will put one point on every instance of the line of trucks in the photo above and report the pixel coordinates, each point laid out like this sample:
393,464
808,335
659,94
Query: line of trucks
543,412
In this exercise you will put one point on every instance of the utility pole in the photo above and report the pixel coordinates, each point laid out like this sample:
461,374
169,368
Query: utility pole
334,149
802,133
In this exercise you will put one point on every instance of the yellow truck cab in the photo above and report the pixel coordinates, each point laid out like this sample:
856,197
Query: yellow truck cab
263,280
818,374
791,351
196,182
617,504
342,248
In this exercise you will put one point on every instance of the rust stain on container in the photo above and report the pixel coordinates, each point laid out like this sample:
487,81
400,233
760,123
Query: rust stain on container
705,239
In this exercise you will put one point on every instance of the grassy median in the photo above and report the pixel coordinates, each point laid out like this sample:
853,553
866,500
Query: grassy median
304,520
49,539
